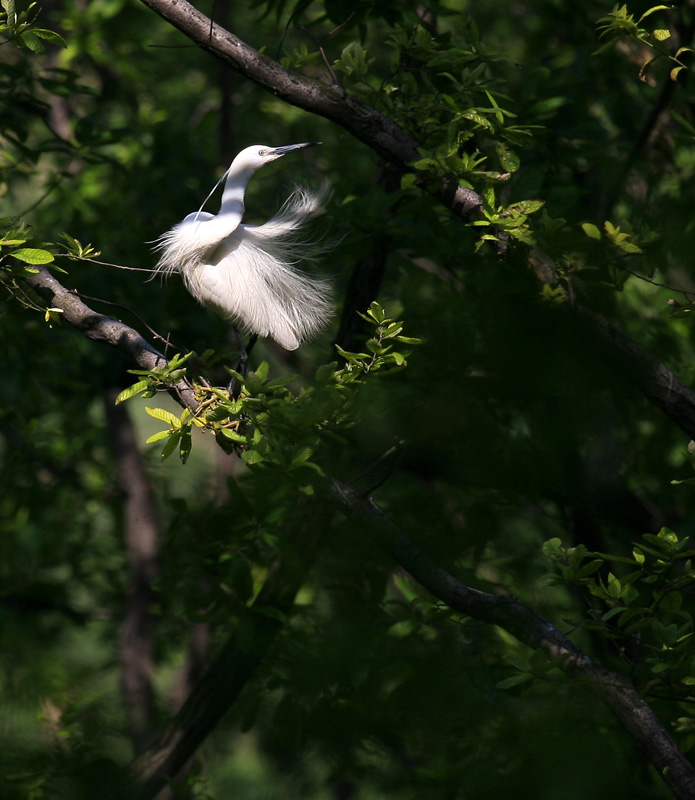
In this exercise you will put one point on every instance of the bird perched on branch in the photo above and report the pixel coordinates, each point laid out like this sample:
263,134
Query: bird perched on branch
248,274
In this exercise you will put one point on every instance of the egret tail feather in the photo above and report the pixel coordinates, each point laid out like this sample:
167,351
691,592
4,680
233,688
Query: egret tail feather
249,275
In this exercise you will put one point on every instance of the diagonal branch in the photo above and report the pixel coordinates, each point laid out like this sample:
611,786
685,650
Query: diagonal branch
102,328
219,688
614,689
365,123
385,137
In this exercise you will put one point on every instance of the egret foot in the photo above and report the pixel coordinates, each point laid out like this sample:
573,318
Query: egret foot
234,386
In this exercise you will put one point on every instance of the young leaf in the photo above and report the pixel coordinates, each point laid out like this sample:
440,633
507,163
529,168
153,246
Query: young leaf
131,391
165,416
32,255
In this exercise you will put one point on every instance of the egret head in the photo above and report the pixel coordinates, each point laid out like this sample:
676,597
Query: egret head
255,156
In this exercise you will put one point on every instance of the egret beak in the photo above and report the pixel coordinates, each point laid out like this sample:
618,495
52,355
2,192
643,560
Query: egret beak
287,148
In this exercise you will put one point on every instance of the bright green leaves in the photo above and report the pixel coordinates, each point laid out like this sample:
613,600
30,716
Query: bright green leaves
509,160
381,356
20,252
638,603
18,27
178,434
20,255
611,255
442,91
32,255
510,220
270,425
620,23
591,231
622,240
158,379
76,250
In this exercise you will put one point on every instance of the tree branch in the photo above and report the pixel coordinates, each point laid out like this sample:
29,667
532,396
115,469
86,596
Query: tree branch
387,139
372,128
102,328
614,689
659,385
220,686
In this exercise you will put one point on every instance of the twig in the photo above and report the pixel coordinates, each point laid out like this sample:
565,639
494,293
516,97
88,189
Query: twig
318,41
73,257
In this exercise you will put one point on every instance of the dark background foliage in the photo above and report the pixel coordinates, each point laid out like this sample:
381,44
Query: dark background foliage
509,427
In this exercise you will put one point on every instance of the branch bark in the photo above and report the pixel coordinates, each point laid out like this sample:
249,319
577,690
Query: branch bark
394,145
659,385
614,689
220,686
327,100
102,328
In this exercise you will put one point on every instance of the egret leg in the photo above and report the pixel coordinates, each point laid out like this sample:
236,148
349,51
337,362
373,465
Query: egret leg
234,386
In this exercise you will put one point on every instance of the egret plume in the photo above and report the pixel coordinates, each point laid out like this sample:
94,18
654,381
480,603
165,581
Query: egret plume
249,274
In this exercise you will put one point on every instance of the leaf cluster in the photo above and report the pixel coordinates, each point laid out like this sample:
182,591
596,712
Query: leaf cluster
620,23
269,424
645,605
18,27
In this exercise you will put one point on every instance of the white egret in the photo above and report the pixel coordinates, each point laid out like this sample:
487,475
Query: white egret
248,273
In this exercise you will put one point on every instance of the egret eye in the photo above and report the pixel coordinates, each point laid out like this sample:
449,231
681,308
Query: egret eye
262,153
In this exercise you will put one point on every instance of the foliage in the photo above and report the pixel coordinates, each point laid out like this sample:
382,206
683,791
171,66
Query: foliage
268,423
643,610
509,440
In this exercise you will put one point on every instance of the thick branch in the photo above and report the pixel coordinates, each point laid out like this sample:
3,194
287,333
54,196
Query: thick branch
523,623
658,384
393,144
220,686
383,135
102,328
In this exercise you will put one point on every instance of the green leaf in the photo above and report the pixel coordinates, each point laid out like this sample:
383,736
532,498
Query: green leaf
186,444
591,231
32,255
644,69
233,435
526,206
514,680
301,457
157,437
409,340
652,10
377,312
170,446
252,457
262,371
165,416
49,36
131,391
509,160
